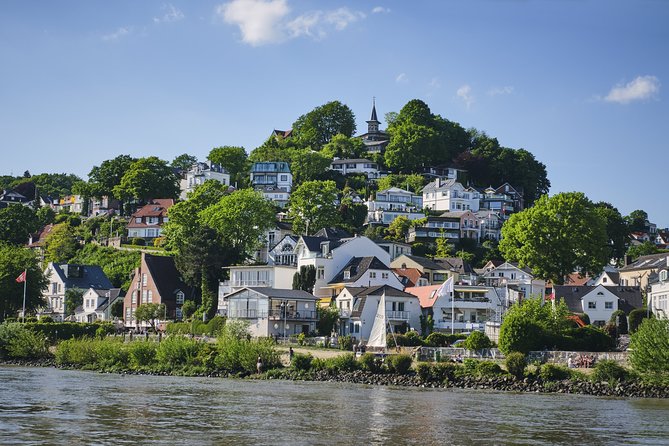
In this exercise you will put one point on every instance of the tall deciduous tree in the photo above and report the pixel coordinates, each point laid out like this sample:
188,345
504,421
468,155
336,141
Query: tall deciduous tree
307,165
240,219
342,146
184,162
305,278
637,220
556,237
50,184
13,261
61,244
617,230
650,349
148,178
412,182
150,313
313,206
17,222
234,160
319,126
106,176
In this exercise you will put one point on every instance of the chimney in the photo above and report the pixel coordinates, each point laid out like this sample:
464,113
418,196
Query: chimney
628,260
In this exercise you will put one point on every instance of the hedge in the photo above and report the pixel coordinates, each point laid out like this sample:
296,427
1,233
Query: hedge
58,331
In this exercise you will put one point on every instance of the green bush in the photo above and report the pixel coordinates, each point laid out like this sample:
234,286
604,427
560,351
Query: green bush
585,339
477,340
18,342
619,319
515,364
238,354
111,353
553,372
488,369
177,351
400,364
137,241
80,353
342,363
142,353
412,339
301,363
437,372
56,331
636,317
370,363
177,328
345,343
45,319
606,370
649,347
442,339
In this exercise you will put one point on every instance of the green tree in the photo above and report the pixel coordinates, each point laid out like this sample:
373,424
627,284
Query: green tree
410,146
150,313
649,349
327,319
342,146
477,340
188,308
234,160
352,215
312,206
411,182
636,220
13,261
184,162
61,244
398,228
117,265
240,219
74,297
275,148
45,216
105,177
636,318
50,184
117,309
307,165
466,256
443,248
556,237
147,178
17,222
305,278
643,249
617,230
85,190
319,126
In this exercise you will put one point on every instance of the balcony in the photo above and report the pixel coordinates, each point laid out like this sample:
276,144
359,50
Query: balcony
344,313
397,315
279,314
459,326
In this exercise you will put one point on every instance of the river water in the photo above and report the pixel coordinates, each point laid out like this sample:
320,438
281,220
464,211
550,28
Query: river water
59,407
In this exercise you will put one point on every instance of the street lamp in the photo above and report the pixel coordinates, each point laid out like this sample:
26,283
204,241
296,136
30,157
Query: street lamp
284,310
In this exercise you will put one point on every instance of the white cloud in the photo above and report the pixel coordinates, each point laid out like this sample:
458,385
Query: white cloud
116,35
342,17
465,93
402,78
641,88
172,14
266,21
495,91
434,83
258,20
380,9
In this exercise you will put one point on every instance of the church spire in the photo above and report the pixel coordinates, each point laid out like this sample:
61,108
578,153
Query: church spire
373,123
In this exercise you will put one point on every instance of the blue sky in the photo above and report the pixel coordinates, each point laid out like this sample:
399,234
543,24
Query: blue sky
581,84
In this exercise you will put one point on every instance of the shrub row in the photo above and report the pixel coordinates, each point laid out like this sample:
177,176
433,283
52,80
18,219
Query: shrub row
400,364
18,342
57,331
413,339
211,328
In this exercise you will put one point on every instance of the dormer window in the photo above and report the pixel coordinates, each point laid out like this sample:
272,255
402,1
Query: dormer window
663,275
180,297
347,275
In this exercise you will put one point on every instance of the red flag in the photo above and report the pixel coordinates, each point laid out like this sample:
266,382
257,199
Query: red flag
22,277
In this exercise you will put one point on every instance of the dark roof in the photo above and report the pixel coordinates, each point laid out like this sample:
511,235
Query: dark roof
629,297
651,261
285,225
357,267
373,118
166,276
425,262
352,160
333,233
110,296
82,276
281,293
456,263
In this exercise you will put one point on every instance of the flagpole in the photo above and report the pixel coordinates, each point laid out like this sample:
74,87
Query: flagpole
25,281
452,312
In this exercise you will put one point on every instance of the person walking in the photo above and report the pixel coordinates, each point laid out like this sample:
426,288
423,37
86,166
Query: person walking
259,365
290,354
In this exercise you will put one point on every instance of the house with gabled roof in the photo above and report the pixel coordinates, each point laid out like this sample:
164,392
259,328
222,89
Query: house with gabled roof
511,275
598,302
329,253
388,204
358,307
274,312
97,305
63,277
638,272
157,281
364,271
450,195
148,221
362,166
435,273
198,174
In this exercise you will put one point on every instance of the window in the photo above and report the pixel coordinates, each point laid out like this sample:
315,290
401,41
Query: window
144,279
372,275
592,305
284,177
180,298
144,296
149,299
347,275
138,220
608,305
127,314
400,306
320,273
134,297
384,275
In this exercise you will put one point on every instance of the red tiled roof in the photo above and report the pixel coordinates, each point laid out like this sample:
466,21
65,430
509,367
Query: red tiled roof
425,294
412,275
156,208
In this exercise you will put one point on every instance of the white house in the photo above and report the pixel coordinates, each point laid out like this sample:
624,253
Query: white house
364,272
358,307
468,309
356,166
511,275
329,255
257,276
658,296
198,174
391,203
271,312
271,174
489,224
148,221
395,249
450,195
598,302
97,305
63,277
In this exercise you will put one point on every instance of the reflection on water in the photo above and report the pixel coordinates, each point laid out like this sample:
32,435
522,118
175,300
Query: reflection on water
49,406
